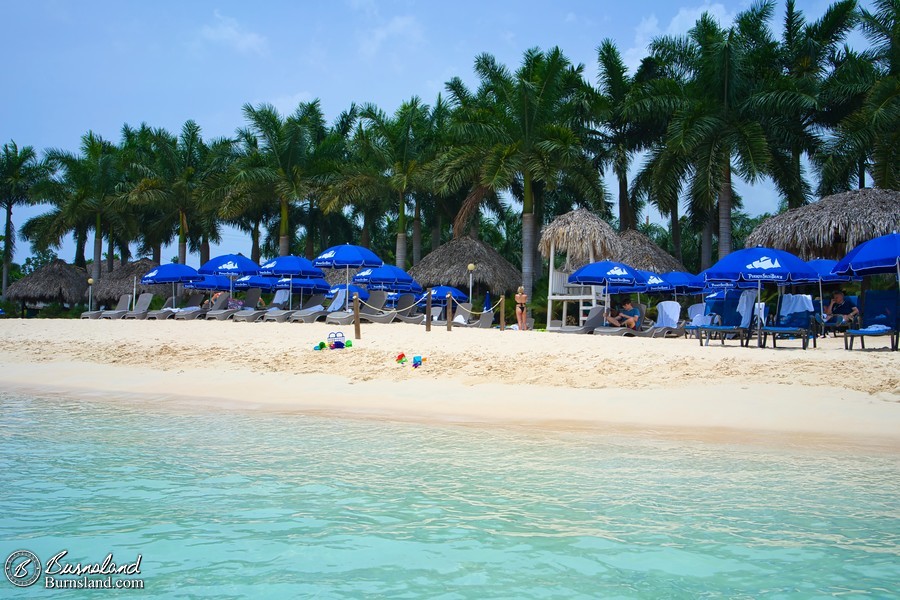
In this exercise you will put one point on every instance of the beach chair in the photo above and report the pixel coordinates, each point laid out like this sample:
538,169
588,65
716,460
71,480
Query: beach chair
668,321
406,303
118,312
251,316
462,315
372,307
193,302
606,329
250,302
696,317
795,319
734,320
594,320
485,321
197,313
280,315
417,318
141,307
313,314
124,301
879,319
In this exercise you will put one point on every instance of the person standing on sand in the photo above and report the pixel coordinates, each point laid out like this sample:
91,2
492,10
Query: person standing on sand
521,308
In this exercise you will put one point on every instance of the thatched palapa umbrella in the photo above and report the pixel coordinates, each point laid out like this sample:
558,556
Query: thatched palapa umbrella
832,226
639,252
448,265
122,281
582,236
56,281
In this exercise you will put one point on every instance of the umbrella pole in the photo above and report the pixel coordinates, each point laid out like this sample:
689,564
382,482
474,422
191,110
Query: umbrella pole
133,293
347,287
759,325
291,292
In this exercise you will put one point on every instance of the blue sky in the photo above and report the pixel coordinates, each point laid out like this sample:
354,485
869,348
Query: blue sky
79,66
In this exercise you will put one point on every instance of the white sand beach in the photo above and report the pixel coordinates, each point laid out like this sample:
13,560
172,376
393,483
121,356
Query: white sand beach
535,379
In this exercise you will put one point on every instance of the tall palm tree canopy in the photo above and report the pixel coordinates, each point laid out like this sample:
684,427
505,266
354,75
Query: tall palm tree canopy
832,226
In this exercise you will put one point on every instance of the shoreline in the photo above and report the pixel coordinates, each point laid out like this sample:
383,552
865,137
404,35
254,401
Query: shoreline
473,377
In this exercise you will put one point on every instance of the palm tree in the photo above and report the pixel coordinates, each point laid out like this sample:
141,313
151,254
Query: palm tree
714,121
20,172
518,127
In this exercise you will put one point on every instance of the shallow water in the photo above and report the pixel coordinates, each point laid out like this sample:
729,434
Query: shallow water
243,504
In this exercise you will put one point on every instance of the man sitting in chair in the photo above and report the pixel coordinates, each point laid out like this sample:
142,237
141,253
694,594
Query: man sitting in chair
841,310
626,316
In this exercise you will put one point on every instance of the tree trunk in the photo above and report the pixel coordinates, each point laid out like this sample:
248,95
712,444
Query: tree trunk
706,243
7,249
862,173
110,252
204,250
796,199
284,238
475,226
313,225
125,252
365,238
254,242
417,233
98,249
528,235
400,252
157,254
725,211
80,244
625,219
436,232
182,239
676,232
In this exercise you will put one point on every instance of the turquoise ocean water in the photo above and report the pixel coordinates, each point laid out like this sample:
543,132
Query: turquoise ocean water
285,506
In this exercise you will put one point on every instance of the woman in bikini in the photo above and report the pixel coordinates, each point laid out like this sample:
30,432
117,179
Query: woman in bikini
521,308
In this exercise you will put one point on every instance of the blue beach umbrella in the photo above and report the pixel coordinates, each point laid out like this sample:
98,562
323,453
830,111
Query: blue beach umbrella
347,256
231,266
266,284
439,295
386,277
351,289
877,256
315,285
210,282
291,266
615,277
487,301
173,273
684,283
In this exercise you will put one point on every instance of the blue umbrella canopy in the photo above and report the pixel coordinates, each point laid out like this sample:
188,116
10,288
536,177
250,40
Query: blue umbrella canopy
294,266
761,265
352,289
654,282
386,277
315,285
439,295
684,283
606,273
230,265
266,284
347,256
878,255
171,273
210,282
824,267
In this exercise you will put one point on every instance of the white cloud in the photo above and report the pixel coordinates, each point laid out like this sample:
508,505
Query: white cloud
287,104
227,31
686,17
404,28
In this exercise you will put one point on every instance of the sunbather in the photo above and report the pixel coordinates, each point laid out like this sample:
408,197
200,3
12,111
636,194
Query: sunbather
841,309
626,316
522,308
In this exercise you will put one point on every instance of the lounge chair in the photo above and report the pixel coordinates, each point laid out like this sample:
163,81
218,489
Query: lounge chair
251,316
406,303
124,301
484,321
314,313
735,320
595,318
668,321
192,303
372,307
696,317
795,319
417,318
879,318
250,301
198,313
117,313
141,307
280,315
606,329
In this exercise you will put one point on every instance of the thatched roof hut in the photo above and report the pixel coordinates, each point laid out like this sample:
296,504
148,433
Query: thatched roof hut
121,281
832,226
57,281
576,234
448,266
639,251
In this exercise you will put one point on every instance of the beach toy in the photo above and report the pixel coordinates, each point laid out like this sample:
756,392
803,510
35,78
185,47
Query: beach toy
401,359
336,340
417,361
348,344
320,346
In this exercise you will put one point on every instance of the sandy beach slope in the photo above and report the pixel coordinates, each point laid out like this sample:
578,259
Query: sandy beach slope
480,376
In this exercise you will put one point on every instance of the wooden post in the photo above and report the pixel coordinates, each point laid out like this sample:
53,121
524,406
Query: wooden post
356,333
503,312
449,312
428,310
